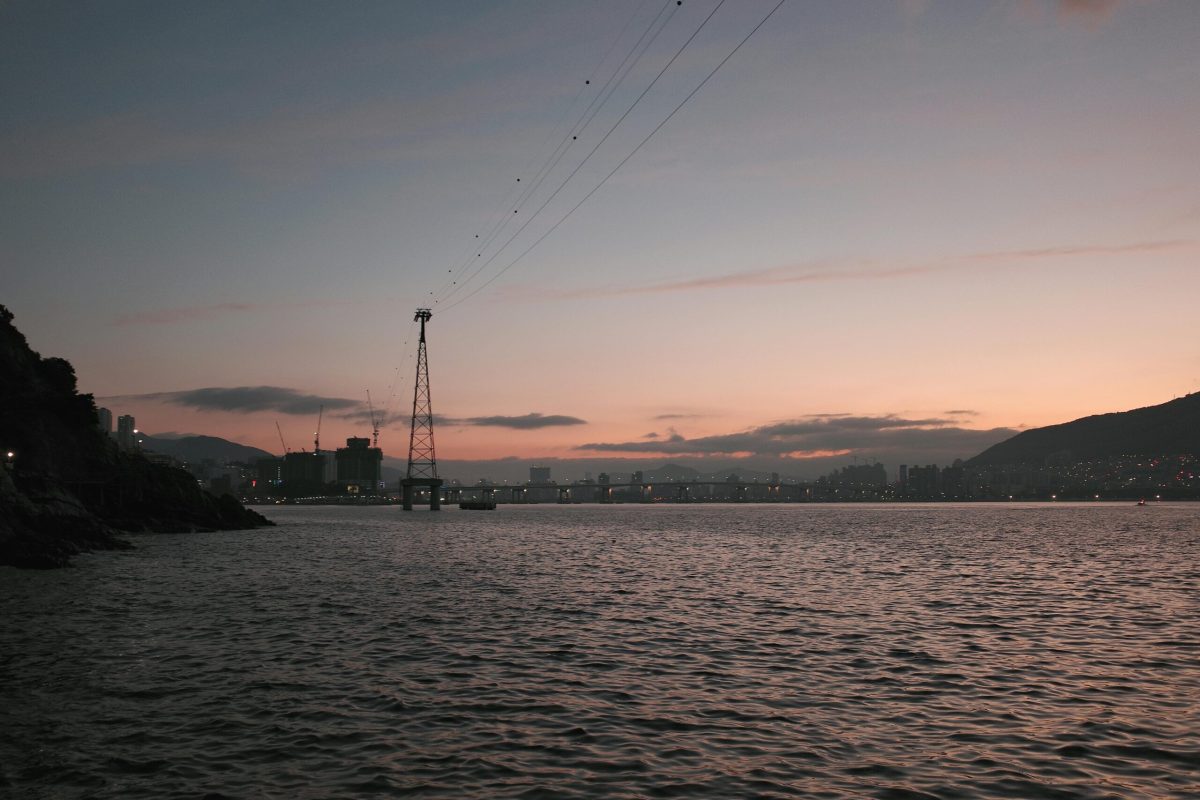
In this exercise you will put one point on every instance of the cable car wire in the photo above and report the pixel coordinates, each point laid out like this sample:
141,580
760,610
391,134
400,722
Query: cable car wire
592,152
502,217
650,135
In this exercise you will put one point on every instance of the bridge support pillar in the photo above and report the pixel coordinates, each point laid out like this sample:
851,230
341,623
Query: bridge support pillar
408,490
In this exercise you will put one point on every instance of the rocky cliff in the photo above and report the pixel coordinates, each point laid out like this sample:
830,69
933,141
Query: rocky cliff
67,487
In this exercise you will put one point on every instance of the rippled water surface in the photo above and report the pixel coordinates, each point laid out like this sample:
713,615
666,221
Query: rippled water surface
621,651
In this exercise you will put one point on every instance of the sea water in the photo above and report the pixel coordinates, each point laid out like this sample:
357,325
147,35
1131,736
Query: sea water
890,651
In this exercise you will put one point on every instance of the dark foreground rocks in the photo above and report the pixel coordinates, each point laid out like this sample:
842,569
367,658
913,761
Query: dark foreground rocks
68,488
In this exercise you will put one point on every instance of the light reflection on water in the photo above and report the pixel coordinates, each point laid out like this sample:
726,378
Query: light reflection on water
622,651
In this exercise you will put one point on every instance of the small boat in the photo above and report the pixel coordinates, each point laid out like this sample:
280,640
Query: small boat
1141,502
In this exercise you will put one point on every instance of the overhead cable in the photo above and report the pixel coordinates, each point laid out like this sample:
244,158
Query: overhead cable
650,135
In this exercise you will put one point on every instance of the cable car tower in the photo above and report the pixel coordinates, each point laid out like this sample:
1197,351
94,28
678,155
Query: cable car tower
422,460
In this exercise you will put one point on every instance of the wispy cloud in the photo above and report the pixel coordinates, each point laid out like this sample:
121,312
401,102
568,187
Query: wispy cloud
168,316
1073,251
530,421
283,142
172,316
763,277
914,8
247,399
870,270
1093,11
299,138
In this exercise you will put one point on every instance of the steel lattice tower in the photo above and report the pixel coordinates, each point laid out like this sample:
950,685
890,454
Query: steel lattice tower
422,458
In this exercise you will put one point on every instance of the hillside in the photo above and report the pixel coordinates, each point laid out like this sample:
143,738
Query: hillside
195,449
1169,429
67,487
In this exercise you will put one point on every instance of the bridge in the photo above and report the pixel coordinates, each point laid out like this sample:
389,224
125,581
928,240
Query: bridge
684,491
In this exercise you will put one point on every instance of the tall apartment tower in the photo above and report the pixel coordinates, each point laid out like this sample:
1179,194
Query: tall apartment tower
105,420
125,429
359,466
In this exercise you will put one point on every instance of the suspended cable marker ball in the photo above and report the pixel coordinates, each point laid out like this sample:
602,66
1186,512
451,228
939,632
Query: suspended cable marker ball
638,50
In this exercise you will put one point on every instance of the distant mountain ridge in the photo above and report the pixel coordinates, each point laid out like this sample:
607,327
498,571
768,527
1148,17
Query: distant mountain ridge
197,448
1172,428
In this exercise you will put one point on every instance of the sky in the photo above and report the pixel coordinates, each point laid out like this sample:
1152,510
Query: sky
789,235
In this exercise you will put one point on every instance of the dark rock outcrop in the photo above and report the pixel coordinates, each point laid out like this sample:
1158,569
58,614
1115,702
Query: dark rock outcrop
68,487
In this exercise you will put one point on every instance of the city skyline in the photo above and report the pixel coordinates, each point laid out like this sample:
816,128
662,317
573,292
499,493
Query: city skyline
875,224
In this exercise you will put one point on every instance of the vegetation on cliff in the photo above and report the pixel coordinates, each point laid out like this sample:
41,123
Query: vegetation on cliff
67,487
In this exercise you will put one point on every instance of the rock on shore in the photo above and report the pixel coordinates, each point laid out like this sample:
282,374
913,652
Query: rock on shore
68,488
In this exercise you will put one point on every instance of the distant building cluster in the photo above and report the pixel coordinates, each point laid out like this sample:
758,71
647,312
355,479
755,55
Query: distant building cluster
355,470
126,433
1058,478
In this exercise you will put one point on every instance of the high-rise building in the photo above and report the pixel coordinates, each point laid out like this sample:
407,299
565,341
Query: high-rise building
923,481
303,473
126,432
269,473
359,466
104,417
539,474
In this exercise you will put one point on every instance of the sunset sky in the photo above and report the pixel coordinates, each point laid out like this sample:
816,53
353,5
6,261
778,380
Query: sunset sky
892,230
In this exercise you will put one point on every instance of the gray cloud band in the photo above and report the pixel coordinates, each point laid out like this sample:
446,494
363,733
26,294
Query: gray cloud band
876,435
249,398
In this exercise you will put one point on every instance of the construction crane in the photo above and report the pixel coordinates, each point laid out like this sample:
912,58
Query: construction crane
374,422
317,435
281,441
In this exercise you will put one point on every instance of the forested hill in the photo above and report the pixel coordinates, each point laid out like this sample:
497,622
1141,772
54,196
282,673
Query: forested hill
1169,429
